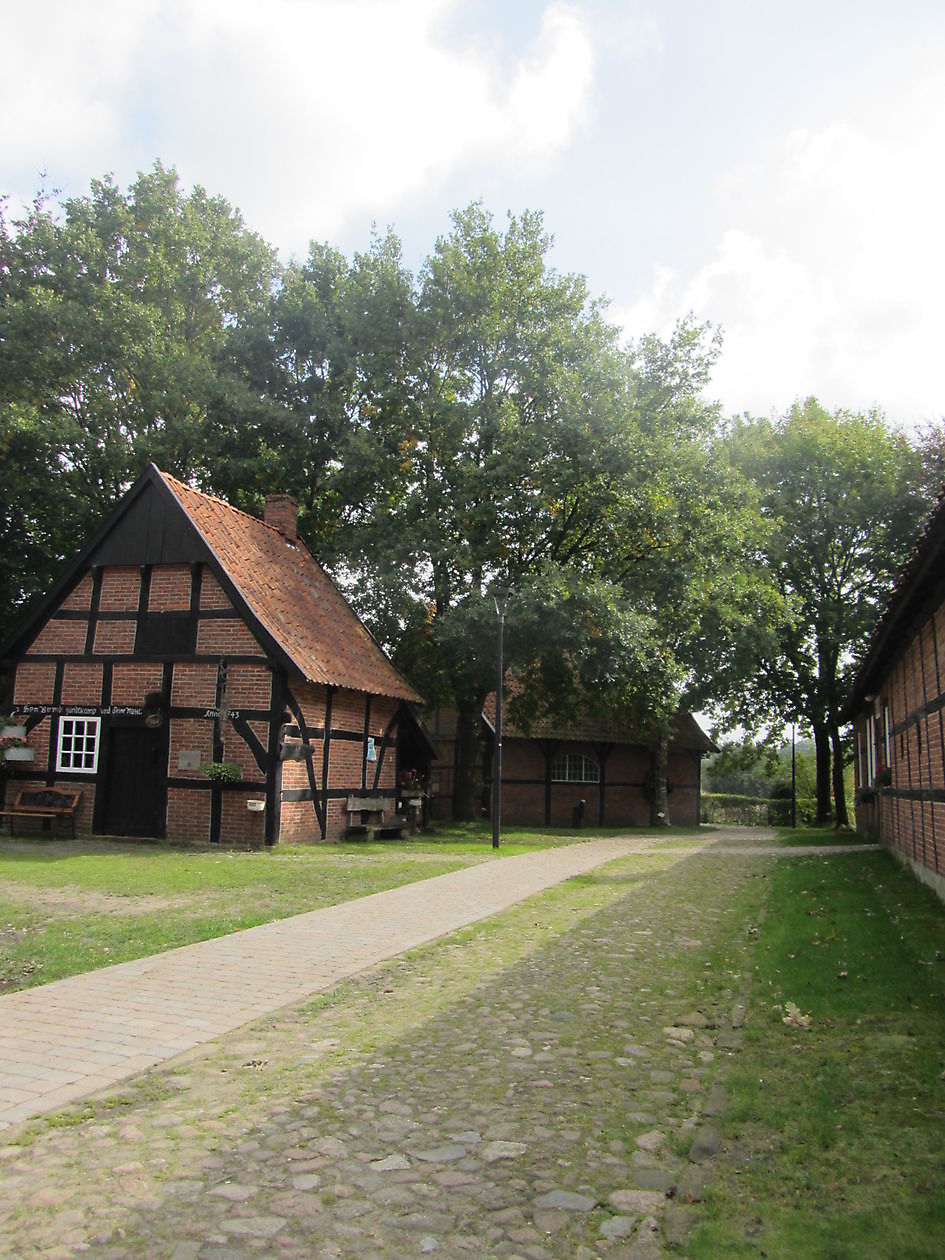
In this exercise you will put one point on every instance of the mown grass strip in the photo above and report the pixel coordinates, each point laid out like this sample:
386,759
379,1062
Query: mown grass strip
65,910
838,1094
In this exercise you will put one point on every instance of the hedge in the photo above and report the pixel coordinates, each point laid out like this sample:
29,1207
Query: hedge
754,811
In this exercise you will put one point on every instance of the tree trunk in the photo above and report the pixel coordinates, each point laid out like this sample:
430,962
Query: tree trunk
468,788
822,751
839,790
659,809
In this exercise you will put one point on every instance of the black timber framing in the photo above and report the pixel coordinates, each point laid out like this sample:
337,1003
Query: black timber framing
602,752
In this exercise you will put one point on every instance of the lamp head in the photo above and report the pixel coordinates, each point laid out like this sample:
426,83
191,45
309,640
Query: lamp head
500,597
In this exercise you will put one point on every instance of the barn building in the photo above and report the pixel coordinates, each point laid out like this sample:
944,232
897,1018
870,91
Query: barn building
188,636
548,771
897,707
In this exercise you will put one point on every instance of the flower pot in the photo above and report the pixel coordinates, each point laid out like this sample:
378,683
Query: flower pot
19,754
13,732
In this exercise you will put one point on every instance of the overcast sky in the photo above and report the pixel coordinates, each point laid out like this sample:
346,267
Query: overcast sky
776,168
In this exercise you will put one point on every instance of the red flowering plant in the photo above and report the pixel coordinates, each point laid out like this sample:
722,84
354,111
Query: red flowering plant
8,741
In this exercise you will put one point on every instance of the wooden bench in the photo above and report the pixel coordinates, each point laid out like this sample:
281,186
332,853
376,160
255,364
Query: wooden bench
368,817
49,804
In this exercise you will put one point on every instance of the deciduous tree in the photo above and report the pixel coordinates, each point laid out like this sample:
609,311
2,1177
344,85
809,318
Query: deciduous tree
843,492
116,310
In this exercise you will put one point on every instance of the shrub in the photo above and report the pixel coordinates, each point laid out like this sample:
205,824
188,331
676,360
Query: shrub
222,771
730,810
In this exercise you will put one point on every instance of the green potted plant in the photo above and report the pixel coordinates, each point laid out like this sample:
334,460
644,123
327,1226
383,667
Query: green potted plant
222,771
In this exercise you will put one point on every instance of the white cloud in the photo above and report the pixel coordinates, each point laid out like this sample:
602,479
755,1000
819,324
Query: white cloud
62,76
303,111
829,279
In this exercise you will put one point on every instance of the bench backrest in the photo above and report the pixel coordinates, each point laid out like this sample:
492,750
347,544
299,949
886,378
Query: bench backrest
372,804
47,799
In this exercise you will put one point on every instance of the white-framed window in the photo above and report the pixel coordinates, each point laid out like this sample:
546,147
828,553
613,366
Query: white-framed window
575,768
78,744
887,728
870,748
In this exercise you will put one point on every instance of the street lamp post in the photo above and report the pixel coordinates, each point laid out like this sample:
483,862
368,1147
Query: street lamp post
500,597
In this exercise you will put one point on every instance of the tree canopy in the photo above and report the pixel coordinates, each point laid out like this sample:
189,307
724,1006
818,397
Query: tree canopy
117,311
480,422
844,495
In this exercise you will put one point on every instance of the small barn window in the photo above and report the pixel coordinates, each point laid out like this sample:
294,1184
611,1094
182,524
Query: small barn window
870,748
575,768
78,744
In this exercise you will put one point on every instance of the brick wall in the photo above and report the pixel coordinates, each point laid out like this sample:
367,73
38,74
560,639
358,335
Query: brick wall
249,686
346,759
211,592
194,686
66,638
625,771
236,749
112,638
121,589
170,588
81,597
189,735
81,683
226,636
188,814
904,814
241,827
133,681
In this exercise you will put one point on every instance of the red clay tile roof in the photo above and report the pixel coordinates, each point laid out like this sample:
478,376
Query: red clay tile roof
687,733
292,597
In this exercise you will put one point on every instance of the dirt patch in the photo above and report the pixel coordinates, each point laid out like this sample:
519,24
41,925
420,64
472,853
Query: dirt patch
71,900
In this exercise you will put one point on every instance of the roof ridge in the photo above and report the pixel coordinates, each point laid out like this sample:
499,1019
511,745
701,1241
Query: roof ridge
216,498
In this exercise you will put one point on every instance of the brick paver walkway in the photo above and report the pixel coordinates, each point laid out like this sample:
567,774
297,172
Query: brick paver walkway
66,1040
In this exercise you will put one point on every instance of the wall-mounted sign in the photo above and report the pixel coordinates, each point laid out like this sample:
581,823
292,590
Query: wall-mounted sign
82,710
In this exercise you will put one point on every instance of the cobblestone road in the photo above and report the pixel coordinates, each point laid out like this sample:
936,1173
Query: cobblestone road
541,1084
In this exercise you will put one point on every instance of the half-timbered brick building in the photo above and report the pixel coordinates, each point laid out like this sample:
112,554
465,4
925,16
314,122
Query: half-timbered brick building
185,633
580,768
897,707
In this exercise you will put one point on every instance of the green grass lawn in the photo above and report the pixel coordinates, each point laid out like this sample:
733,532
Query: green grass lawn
828,835
67,907
837,1114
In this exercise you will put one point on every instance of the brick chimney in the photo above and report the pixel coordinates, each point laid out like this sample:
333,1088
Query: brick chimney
282,512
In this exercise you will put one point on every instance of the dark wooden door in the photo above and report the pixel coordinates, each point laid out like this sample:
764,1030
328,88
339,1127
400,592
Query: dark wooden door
136,782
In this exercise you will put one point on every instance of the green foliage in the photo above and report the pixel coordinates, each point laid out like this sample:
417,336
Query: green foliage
479,423
746,768
729,809
117,313
844,495
222,771
761,768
